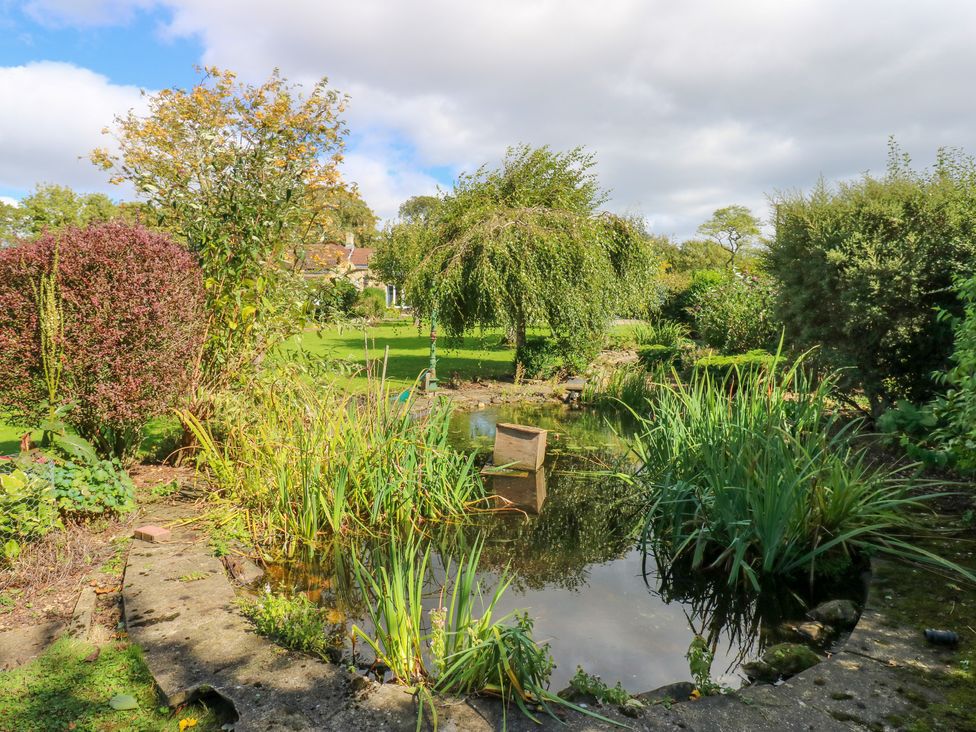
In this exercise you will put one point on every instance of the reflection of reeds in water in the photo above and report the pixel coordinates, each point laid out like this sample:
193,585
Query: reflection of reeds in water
744,619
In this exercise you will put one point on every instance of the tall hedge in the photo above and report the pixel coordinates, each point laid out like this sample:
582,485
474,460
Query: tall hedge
865,267
132,305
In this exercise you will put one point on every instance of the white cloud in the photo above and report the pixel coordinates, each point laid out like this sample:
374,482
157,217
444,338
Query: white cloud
53,117
688,106
384,180
9,201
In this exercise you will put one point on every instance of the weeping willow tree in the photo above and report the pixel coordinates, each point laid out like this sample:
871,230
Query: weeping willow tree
525,245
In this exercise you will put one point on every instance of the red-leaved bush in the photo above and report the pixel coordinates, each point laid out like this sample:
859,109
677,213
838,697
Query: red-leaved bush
134,322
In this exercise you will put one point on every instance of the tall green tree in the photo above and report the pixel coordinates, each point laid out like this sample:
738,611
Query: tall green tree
418,209
401,245
50,207
236,172
865,267
526,244
732,228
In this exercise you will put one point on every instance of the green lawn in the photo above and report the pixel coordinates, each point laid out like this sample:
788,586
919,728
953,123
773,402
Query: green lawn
10,438
481,355
70,685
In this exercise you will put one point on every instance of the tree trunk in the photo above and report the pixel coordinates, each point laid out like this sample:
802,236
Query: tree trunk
520,335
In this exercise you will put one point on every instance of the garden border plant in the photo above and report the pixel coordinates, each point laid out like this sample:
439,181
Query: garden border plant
117,338
765,479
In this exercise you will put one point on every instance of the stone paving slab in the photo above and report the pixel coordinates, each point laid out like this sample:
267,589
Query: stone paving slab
20,645
180,607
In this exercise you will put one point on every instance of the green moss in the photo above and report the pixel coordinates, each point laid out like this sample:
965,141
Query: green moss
919,599
68,687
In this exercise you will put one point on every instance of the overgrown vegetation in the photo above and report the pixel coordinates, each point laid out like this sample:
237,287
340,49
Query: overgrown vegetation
28,510
307,462
764,479
462,653
737,314
293,621
864,268
586,684
629,385
115,340
241,175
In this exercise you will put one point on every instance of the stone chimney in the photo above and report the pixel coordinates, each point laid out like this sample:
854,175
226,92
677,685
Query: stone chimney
350,240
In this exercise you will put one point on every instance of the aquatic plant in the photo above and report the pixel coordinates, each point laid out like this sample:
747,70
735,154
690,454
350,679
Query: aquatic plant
307,462
393,593
700,657
764,479
590,685
462,652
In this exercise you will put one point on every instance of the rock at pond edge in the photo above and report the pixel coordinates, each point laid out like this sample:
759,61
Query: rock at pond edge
676,692
781,660
840,613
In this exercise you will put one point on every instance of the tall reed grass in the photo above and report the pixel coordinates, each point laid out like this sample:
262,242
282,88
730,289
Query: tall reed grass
628,385
463,649
757,476
662,332
307,463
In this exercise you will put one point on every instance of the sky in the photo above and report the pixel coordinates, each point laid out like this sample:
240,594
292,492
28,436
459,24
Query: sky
687,106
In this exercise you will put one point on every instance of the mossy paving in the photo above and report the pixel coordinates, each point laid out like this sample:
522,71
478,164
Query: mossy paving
918,598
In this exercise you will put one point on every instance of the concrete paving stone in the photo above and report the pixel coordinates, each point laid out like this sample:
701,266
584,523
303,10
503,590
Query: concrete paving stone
20,645
195,640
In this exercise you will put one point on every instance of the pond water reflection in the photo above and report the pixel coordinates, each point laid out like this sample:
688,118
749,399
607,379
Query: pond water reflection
571,547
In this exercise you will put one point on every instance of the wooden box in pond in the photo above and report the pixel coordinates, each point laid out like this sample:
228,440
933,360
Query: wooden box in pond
520,489
519,447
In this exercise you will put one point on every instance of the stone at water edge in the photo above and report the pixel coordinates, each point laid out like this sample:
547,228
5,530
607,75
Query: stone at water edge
676,692
812,630
781,660
633,708
842,613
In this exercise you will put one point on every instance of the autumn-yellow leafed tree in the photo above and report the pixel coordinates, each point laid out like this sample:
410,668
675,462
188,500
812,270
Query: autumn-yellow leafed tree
236,173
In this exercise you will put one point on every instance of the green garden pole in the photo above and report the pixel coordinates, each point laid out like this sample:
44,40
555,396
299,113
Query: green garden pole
431,384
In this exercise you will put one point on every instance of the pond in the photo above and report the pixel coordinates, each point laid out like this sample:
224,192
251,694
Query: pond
570,545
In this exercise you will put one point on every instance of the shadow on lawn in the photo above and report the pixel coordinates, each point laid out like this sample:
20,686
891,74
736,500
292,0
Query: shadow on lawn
409,354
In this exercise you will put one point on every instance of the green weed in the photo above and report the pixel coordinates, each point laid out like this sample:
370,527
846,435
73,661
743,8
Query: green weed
295,622
590,685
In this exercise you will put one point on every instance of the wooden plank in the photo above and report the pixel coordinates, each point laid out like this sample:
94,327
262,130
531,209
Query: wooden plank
519,446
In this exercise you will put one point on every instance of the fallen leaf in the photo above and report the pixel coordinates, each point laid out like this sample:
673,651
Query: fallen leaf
123,702
91,657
